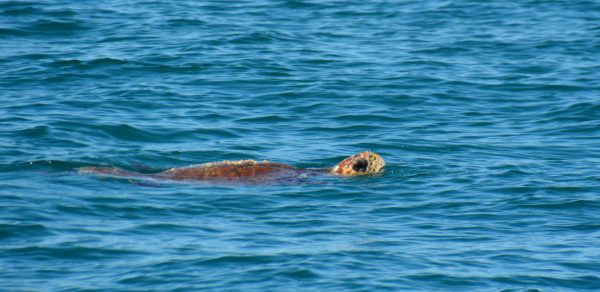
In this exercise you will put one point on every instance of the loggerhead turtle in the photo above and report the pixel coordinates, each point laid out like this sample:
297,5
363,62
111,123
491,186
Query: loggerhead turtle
253,171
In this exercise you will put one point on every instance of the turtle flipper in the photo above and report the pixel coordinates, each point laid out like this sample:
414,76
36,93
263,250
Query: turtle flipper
112,171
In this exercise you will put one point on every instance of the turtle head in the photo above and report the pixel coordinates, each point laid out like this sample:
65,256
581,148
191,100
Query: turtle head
362,163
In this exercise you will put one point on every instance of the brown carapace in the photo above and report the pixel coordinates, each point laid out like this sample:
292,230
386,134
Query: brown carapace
249,170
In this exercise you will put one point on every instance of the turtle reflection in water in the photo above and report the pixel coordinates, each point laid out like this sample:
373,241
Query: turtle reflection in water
253,171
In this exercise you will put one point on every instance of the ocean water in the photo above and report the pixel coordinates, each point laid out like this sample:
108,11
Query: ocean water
487,113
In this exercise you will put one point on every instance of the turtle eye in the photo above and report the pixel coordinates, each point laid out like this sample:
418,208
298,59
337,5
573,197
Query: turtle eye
360,165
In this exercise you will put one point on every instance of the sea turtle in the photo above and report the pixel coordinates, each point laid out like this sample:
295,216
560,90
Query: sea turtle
253,171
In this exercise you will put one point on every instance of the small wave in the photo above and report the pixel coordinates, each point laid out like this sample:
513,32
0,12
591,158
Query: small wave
74,252
34,132
446,280
563,205
568,283
128,132
581,111
260,37
264,119
52,27
23,230
302,4
87,64
11,4
297,273
12,32
185,22
35,11
71,77
152,228
443,51
509,86
162,67
365,117
237,260
307,107
342,129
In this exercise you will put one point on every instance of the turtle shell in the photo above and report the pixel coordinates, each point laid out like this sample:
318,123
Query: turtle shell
230,170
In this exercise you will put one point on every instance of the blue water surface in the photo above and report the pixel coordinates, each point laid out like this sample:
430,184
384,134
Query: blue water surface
487,112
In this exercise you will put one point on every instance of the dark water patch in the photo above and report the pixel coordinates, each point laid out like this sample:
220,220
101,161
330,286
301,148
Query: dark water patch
155,228
588,227
123,39
583,266
179,69
37,11
79,211
77,253
86,65
23,231
11,32
301,4
38,56
128,132
575,282
52,27
365,117
55,165
298,274
440,280
317,62
138,97
342,128
578,112
444,51
562,205
17,4
574,131
35,132
186,22
259,37
68,78
235,260
537,87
